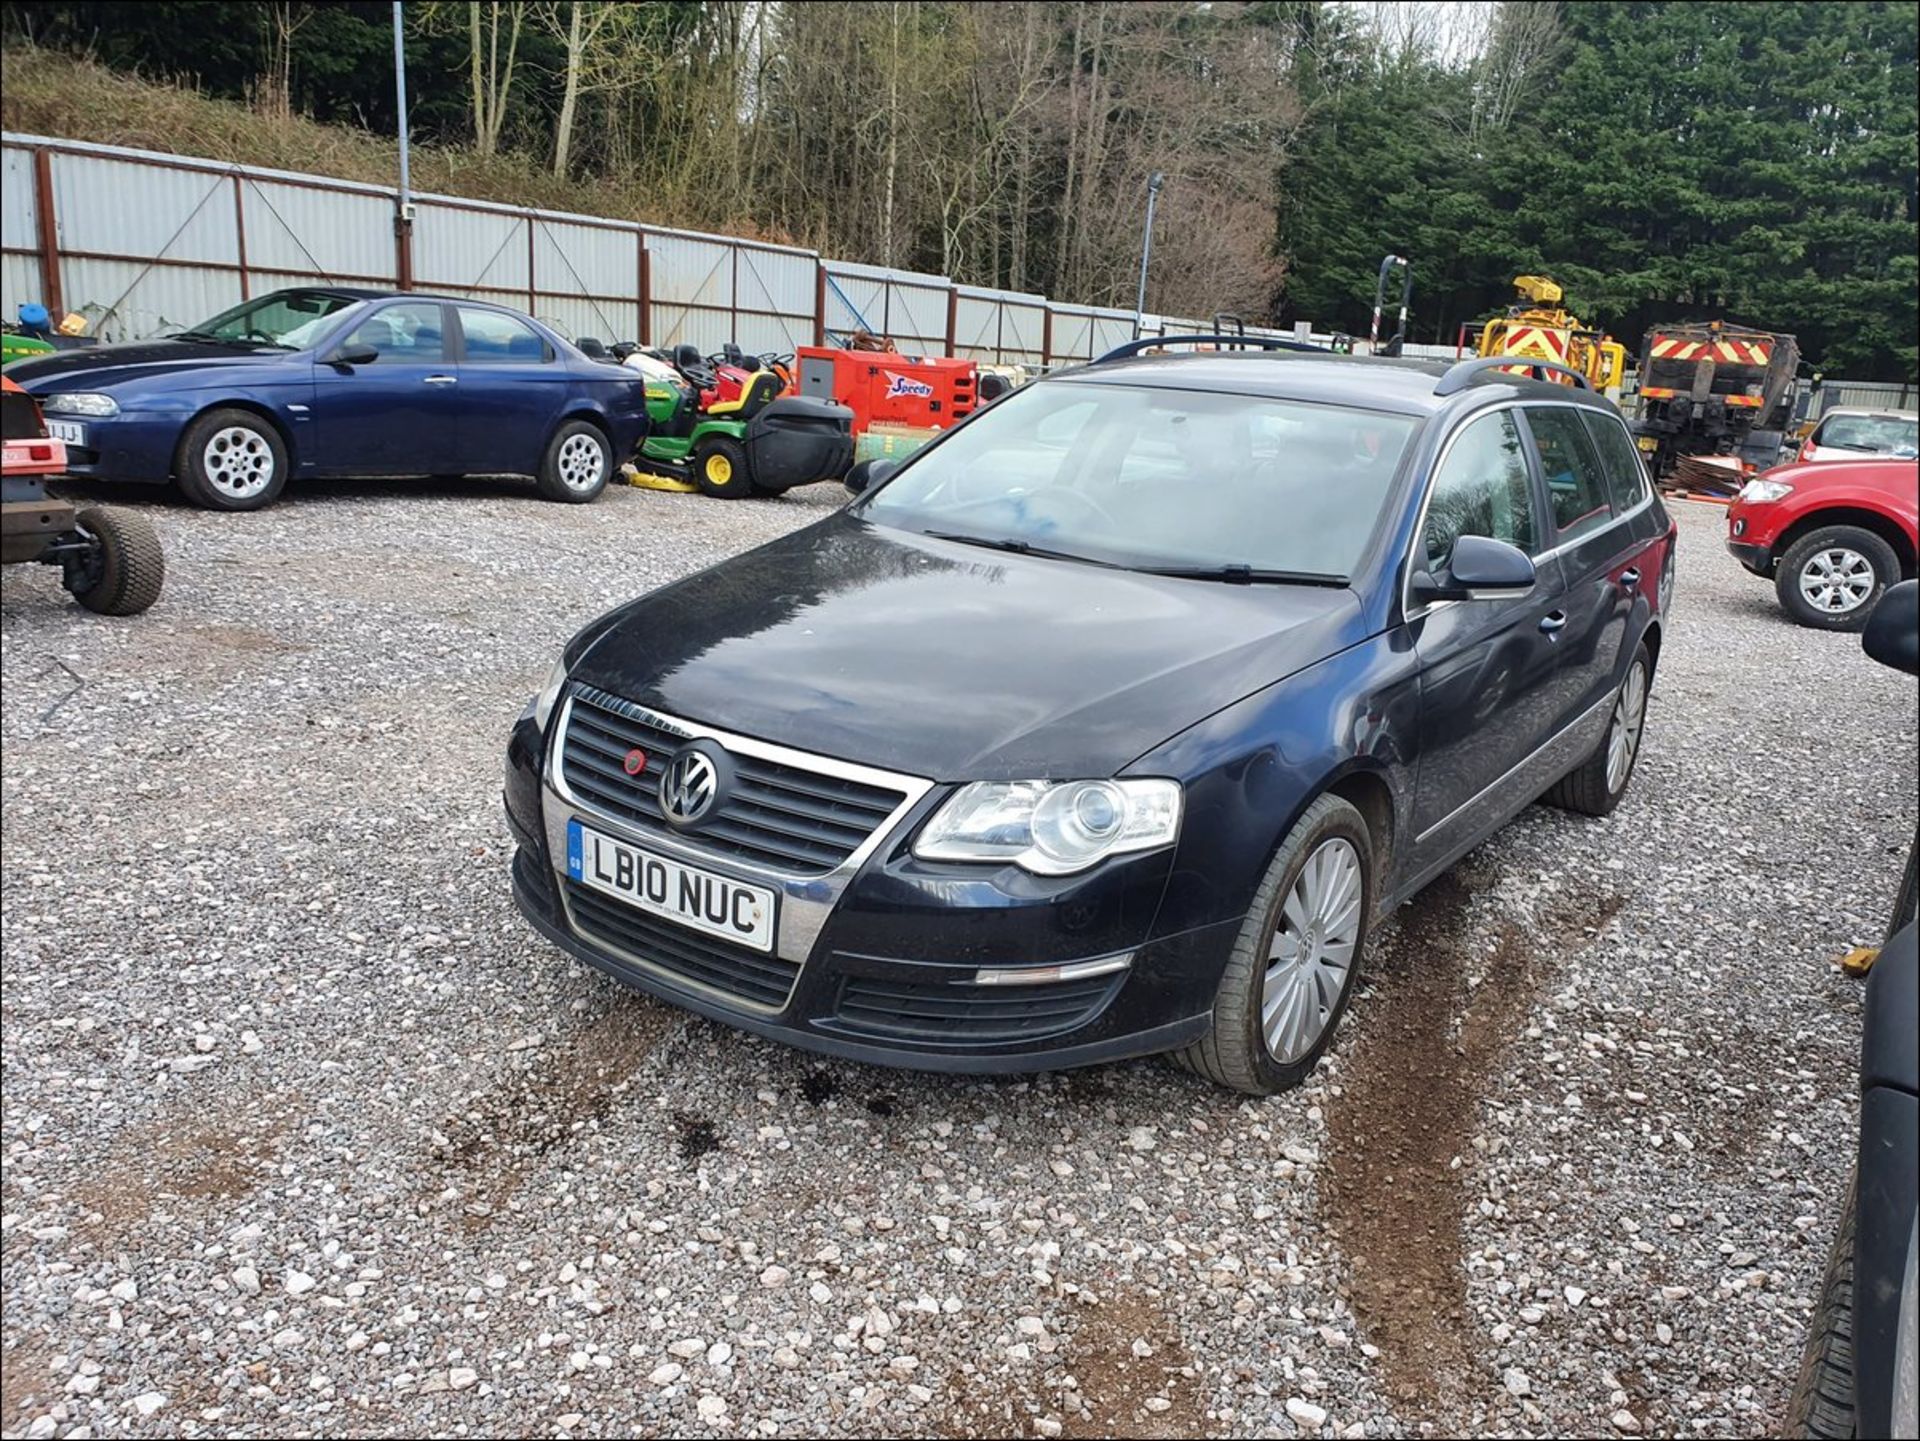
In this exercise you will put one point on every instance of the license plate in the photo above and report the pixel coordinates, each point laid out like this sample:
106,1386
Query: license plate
71,431
663,887
1648,442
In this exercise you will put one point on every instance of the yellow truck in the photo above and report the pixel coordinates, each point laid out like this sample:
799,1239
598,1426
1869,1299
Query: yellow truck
1537,328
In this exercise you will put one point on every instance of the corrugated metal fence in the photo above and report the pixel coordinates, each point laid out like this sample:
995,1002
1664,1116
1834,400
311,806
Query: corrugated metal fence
141,242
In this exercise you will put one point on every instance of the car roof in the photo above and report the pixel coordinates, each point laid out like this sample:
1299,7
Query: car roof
360,292
1373,382
1872,410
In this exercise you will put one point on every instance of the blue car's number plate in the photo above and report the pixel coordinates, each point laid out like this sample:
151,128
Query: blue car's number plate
71,431
670,889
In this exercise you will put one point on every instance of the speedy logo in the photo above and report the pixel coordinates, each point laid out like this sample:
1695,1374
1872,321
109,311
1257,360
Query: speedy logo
906,385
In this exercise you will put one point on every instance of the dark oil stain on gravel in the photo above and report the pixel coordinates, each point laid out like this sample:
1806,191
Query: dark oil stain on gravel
694,1136
1411,1097
882,1105
817,1088
499,1138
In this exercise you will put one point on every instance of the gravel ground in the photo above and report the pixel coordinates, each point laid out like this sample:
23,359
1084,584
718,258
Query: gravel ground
305,1131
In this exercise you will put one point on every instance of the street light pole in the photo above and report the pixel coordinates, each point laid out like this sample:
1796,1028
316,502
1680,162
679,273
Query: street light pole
1146,251
403,217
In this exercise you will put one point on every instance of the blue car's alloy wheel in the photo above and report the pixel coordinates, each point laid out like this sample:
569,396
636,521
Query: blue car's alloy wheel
232,460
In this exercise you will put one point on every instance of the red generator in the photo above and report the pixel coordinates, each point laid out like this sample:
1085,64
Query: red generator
884,388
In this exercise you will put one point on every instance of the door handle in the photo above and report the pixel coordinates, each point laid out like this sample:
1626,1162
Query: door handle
1551,623
1630,577
443,380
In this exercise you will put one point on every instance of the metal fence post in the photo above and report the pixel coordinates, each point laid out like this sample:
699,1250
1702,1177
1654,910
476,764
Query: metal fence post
49,235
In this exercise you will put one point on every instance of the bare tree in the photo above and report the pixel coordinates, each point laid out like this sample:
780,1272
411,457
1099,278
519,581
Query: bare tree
492,76
587,30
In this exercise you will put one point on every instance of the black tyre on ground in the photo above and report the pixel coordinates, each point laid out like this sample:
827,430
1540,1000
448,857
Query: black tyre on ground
721,468
231,460
1595,786
127,568
1906,901
1830,578
1293,965
1822,1402
578,461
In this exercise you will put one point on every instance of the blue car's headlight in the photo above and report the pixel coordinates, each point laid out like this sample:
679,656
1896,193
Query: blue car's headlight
81,402
1052,828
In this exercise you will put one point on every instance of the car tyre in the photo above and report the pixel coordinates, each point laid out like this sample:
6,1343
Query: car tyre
1906,902
124,574
1597,784
721,468
231,459
1830,578
578,461
1822,1403
1237,1053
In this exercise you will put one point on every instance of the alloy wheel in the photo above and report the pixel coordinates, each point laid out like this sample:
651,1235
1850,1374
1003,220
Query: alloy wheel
1836,580
238,462
580,462
1623,738
1312,952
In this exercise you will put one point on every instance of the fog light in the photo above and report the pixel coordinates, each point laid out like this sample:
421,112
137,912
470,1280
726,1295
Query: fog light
1739,527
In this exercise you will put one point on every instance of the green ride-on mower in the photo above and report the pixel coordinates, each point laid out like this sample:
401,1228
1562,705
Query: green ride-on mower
724,426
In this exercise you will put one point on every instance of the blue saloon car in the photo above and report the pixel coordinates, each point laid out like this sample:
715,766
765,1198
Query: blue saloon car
337,381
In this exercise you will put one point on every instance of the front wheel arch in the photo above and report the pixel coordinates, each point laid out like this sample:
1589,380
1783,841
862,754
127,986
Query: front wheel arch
254,407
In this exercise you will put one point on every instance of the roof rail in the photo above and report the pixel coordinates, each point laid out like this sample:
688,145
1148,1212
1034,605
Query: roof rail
1461,374
1261,342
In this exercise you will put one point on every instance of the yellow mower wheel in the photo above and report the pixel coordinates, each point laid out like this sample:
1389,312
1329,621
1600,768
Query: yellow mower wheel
721,468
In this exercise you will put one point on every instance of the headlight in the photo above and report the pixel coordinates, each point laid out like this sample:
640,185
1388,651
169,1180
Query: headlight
1760,491
81,402
549,694
1052,828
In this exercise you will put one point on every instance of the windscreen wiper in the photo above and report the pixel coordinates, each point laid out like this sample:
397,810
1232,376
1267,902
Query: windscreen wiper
1017,547
1243,575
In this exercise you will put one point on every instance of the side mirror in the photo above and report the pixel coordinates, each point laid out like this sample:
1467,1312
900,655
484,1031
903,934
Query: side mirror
1892,636
1480,569
354,355
869,473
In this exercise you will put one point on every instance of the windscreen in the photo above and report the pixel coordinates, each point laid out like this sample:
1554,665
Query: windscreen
1896,435
292,319
1155,478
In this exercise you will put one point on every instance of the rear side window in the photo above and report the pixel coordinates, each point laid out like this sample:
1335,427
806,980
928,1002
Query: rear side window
496,339
1576,484
1481,488
1626,481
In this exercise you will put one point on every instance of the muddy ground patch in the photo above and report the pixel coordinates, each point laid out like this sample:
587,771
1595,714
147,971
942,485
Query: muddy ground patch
1447,1003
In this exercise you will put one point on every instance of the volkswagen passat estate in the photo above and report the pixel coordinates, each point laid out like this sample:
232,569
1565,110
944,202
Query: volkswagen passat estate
1110,722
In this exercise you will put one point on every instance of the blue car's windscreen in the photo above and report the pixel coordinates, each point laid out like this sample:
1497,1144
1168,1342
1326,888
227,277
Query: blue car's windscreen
1158,479
292,319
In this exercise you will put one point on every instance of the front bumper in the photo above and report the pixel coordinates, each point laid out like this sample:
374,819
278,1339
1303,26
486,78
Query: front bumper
134,445
1756,558
885,971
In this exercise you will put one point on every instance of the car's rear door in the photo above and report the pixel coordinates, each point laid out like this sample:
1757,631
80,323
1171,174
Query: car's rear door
397,414
514,385
1604,533
1487,667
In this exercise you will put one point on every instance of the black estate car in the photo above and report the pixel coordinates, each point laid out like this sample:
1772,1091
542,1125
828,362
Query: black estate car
1109,722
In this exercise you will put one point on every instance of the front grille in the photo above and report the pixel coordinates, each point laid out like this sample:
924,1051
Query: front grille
783,816
956,1014
750,976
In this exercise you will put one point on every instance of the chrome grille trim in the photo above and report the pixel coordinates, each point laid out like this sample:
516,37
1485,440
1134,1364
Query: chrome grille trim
806,899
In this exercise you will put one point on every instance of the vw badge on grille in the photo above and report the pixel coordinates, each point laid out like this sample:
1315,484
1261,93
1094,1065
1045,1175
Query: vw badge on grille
688,787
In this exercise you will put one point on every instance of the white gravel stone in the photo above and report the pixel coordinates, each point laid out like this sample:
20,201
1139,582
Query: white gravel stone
1305,1414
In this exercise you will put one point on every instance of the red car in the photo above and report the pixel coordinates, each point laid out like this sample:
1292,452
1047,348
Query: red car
1830,534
